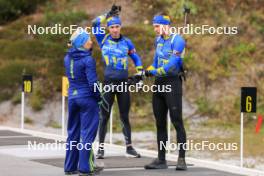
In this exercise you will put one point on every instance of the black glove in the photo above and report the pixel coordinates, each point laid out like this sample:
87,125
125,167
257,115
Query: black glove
114,11
183,73
134,79
148,73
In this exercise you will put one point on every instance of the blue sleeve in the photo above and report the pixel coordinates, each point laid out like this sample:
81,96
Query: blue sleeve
66,60
178,45
175,60
134,55
91,75
97,25
155,61
154,65
64,64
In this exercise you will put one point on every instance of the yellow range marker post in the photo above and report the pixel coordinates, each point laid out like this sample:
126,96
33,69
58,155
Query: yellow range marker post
64,93
65,86
27,87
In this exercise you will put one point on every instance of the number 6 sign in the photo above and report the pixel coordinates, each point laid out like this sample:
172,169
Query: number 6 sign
248,99
248,105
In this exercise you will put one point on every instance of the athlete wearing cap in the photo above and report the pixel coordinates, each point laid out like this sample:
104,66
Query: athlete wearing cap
166,67
116,51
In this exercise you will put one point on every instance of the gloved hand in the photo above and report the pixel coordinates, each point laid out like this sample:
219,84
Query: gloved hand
134,79
140,72
140,84
183,73
114,11
148,73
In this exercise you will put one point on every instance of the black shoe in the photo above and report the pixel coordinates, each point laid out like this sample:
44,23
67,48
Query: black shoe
181,165
157,164
131,152
100,154
98,169
71,173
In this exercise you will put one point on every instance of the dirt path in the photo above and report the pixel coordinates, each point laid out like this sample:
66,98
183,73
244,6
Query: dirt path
97,7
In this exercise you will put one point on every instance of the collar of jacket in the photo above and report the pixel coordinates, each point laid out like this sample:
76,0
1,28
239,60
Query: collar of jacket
116,39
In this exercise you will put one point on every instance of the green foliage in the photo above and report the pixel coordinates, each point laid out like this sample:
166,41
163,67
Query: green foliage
29,49
148,8
237,103
28,120
224,60
65,17
16,99
257,21
11,72
144,40
54,124
12,9
62,19
244,49
188,58
218,123
176,8
36,99
41,55
260,108
5,95
205,106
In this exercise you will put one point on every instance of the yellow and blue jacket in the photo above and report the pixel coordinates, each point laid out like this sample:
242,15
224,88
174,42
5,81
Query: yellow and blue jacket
168,56
116,53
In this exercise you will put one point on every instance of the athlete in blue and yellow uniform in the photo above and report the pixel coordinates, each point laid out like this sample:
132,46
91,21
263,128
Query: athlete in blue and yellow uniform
166,67
83,106
116,51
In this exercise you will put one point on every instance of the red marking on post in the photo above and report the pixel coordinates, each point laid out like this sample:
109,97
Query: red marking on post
258,126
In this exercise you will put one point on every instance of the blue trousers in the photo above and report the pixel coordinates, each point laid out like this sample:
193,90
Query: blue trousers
82,128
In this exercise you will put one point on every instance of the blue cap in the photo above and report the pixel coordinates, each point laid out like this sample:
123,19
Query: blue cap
79,38
161,19
115,20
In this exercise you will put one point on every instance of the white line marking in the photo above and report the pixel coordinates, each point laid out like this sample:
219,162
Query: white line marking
150,153
136,168
8,137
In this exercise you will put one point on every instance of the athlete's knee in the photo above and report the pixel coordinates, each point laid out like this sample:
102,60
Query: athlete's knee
124,116
161,125
178,125
103,122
